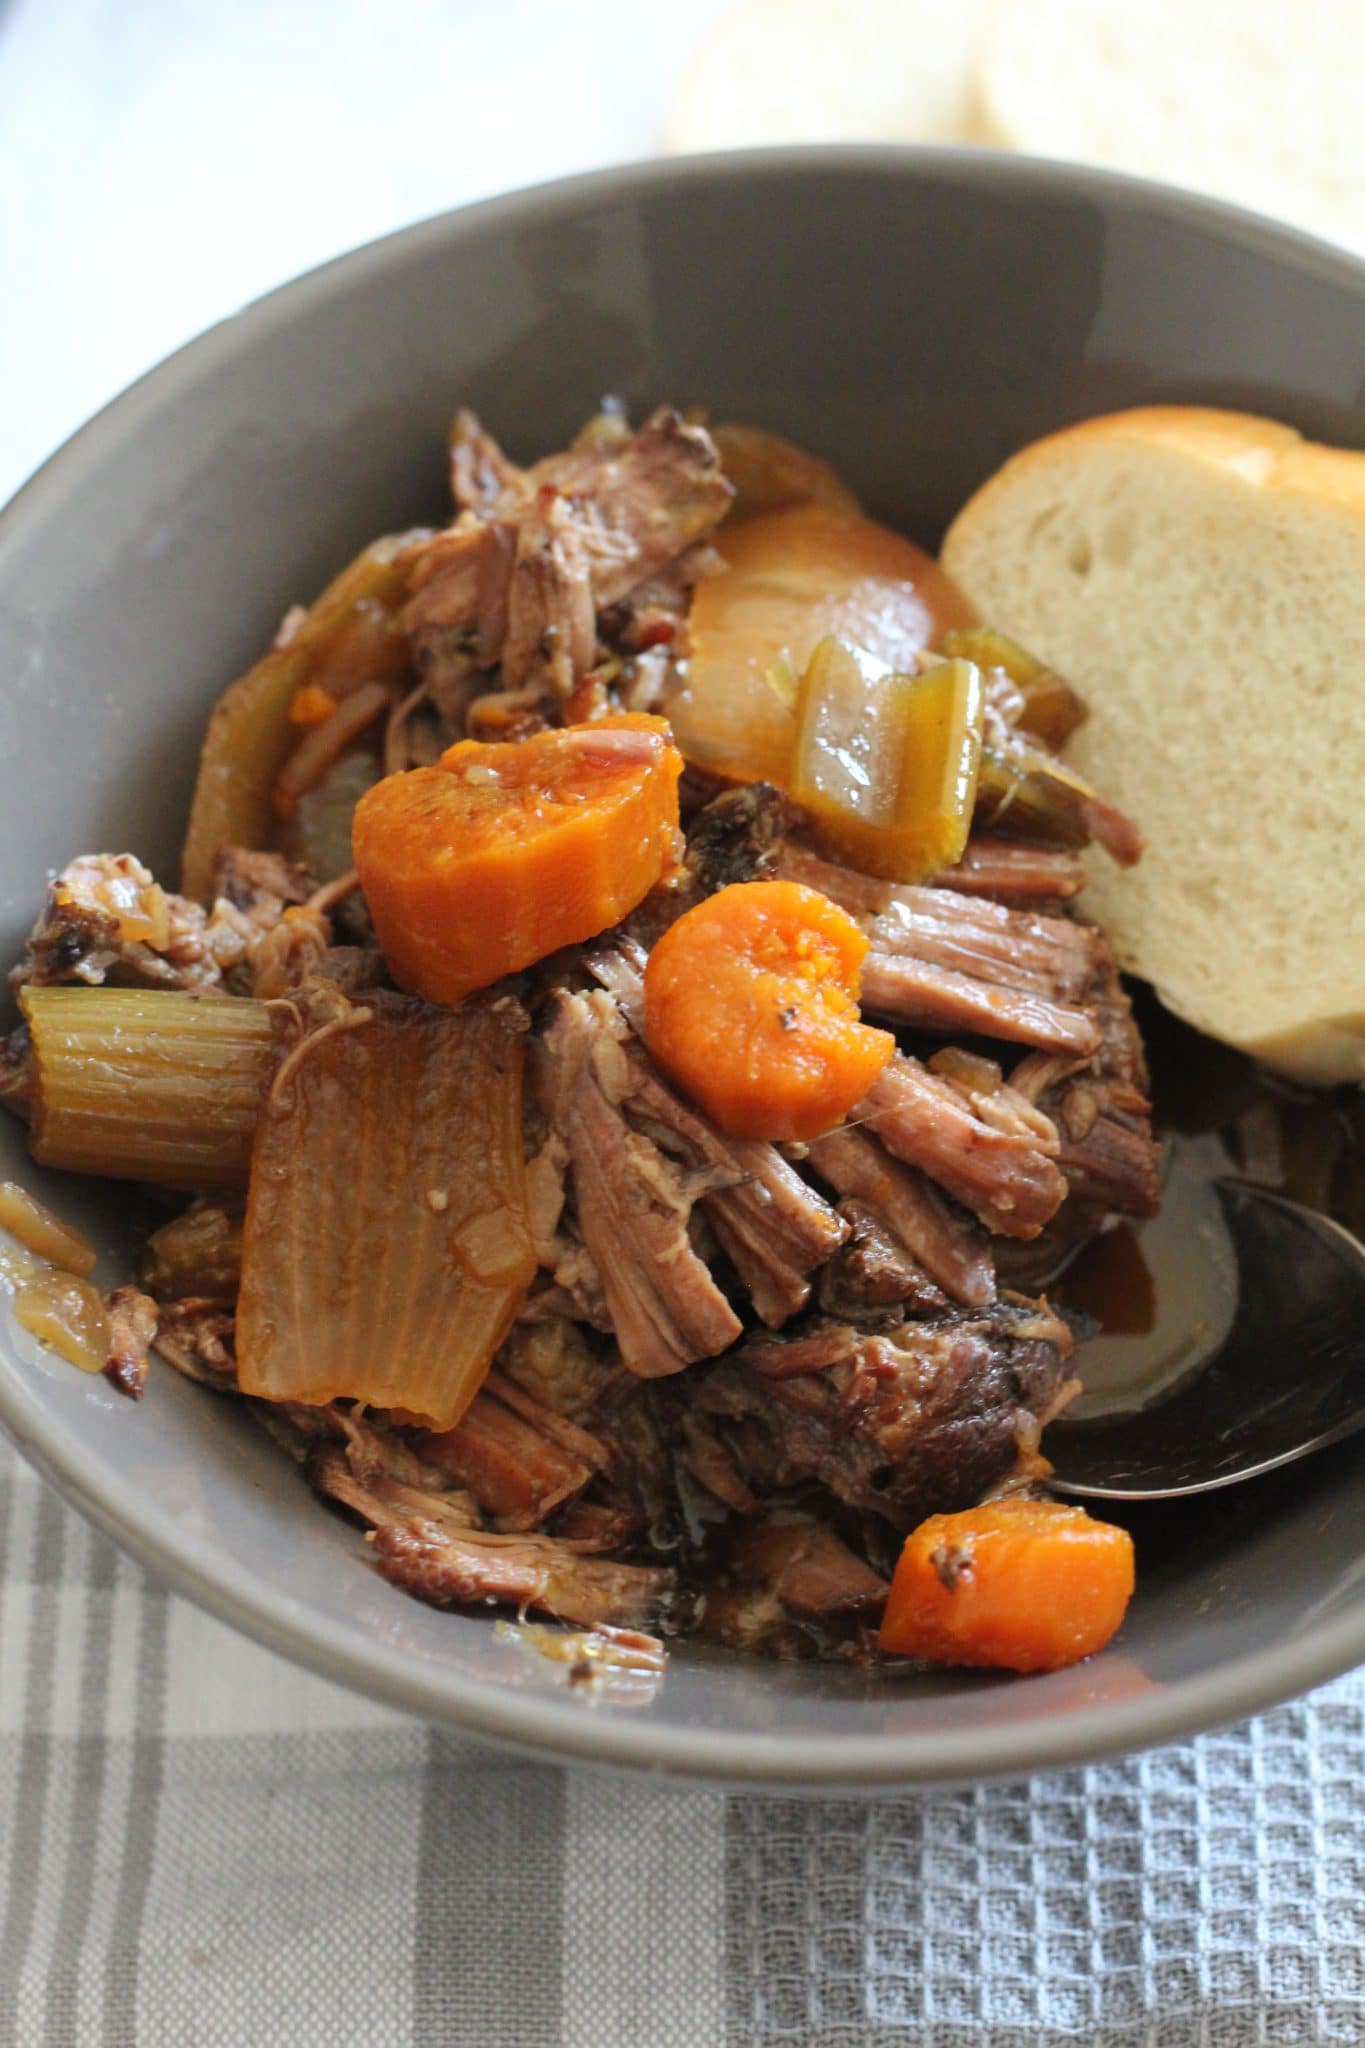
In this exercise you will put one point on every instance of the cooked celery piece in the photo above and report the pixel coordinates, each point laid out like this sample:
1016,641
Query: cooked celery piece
349,634
885,763
791,578
146,1084
1052,710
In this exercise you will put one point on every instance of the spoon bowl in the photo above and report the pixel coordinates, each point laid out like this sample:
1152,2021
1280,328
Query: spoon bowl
1267,1362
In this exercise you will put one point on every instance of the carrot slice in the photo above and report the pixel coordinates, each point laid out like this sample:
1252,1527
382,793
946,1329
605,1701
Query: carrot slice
311,705
1023,1585
502,853
751,1004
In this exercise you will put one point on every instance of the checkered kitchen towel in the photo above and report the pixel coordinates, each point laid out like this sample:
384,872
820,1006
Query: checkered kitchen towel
201,1845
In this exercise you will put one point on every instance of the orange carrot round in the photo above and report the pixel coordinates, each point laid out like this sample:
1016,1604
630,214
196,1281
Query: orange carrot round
751,1005
1021,1585
502,853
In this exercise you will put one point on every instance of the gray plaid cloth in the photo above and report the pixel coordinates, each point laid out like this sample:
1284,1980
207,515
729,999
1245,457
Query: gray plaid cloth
201,1845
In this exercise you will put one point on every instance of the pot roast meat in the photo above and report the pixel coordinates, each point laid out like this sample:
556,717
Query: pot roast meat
872,1271
632,1203
1015,871
950,1248
106,919
524,571
197,1337
954,963
1003,1175
740,836
903,1426
809,1568
423,1543
480,473
133,1319
516,1468
1107,1151
551,632
639,500
774,1228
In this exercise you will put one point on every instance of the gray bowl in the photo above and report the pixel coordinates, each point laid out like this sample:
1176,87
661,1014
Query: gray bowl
913,316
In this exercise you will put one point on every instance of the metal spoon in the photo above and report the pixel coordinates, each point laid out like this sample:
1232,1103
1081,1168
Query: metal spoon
1256,1354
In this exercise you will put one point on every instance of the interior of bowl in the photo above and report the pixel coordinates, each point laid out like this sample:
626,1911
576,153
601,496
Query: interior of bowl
912,317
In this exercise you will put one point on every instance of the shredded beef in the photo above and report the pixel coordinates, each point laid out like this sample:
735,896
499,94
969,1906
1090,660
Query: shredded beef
133,1319
901,1426
944,1242
1100,1107
424,1543
1016,871
872,1270
997,1166
633,1204
197,1338
956,963
808,1568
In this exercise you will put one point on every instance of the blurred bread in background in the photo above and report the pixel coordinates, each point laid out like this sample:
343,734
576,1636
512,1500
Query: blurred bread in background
831,71
1262,103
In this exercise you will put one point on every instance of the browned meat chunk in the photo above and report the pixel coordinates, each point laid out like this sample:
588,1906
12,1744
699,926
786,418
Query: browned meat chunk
872,1271
943,1242
640,502
536,1572
551,622
428,1552
776,1229
1015,871
480,473
550,1359
260,884
523,573
105,919
197,1338
998,1168
810,1569
711,1465
902,1427
1108,1153
944,961
133,1319
740,836
633,1205
517,1458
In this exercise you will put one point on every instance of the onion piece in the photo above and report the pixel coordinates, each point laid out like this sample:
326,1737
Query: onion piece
40,1232
387,1245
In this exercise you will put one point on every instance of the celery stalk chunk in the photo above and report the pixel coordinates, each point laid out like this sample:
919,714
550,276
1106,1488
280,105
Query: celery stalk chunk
886,764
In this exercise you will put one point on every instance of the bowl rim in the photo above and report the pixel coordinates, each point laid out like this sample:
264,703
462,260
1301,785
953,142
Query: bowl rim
555,1727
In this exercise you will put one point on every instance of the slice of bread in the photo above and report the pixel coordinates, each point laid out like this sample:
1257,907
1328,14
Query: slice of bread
1258,103
830,71
1200,577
